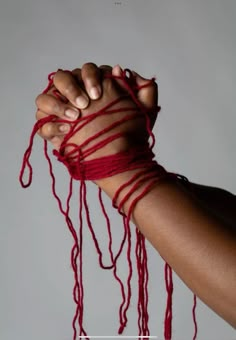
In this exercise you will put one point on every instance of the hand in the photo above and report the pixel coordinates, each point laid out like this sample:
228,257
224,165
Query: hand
88,80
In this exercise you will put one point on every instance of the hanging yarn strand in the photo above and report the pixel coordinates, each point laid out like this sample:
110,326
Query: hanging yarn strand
76,251
147,174
168,313
194,316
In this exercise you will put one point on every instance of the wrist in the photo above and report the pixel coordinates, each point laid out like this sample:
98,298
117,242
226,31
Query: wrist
127,188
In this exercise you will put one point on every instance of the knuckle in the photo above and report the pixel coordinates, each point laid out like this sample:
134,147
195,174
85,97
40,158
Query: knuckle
46,131
76,71
57,75
50,104
106,67
37,115
38,100
55,78
59,78
89,66
70,89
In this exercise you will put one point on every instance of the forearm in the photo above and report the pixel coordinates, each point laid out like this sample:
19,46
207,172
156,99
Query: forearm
219,202
200,249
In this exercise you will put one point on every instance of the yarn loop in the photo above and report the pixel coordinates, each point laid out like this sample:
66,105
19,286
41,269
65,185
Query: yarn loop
147,174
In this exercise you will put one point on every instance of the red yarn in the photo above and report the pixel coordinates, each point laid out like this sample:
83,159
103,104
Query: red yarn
169,289
81,169
194,316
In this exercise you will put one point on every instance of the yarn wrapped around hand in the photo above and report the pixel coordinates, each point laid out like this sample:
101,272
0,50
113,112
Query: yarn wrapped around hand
147,174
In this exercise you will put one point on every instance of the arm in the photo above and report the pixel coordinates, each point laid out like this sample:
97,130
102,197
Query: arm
198,246
185,227
218,201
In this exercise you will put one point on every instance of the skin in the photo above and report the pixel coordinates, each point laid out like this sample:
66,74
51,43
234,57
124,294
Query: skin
192,228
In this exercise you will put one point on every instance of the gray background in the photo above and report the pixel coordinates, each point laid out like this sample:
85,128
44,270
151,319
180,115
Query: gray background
190,47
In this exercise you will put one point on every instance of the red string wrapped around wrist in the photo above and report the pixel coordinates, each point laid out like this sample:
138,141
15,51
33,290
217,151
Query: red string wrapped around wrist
148,173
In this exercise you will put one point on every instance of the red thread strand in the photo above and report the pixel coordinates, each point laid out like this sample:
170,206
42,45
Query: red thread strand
168,313
194,316
80,168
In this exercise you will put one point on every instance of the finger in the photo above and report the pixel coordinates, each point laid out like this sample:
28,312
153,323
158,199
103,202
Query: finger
106,69
77,74
117,71
91,77
148,94
53,106
52,129
67,85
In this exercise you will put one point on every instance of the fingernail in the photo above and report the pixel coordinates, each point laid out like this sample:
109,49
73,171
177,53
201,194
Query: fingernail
81,102
94,92
64,128
70,113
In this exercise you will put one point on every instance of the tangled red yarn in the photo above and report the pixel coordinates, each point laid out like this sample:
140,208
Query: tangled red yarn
150,172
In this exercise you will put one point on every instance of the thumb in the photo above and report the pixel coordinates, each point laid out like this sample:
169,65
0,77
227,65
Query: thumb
117,71
148,92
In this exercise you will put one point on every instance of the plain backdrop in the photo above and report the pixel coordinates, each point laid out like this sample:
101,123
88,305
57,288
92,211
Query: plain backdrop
190,47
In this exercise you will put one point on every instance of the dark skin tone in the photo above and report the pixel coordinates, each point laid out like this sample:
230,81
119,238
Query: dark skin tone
201,220
219,202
